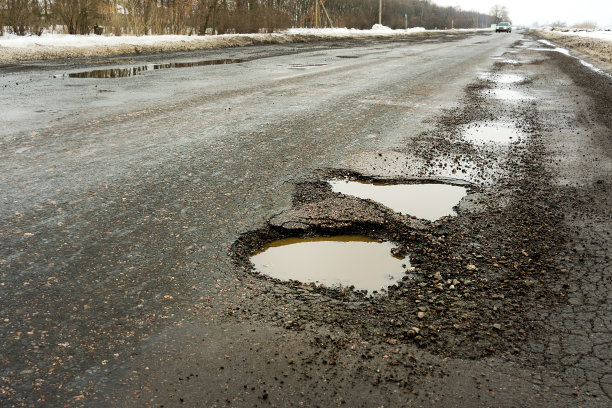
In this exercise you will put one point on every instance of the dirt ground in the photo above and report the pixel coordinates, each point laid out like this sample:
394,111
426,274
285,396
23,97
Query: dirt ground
509,302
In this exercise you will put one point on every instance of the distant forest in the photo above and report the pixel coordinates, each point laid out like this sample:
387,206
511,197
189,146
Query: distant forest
201,17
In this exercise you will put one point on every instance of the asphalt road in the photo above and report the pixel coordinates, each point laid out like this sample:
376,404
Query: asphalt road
121,200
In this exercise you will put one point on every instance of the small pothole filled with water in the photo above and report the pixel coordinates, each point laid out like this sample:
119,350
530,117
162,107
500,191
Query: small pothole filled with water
429,201
132,71
496,132
507,94
502,78
340,261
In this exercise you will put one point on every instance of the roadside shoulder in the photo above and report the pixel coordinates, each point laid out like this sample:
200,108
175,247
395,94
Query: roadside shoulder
594,50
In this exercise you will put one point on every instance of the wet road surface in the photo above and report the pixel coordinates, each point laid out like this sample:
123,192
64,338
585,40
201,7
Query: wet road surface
121,198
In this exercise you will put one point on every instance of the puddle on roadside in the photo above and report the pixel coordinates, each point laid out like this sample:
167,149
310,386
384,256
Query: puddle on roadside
506,95
305,66
426,201
502,78
340,261
499,133
129,72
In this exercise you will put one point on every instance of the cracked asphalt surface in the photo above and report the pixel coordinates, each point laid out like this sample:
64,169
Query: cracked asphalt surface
130,207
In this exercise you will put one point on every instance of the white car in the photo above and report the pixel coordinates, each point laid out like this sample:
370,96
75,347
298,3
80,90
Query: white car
503,26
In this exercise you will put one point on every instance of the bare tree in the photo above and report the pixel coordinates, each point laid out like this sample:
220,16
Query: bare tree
499,13
78,16
2,8
143,17
22,16
559,24
587,25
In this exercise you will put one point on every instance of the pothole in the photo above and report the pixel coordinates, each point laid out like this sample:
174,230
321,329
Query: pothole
356,261
132,71
429,201
497,132
506,94
502,78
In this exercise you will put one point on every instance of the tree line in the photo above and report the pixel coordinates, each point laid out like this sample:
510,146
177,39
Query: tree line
201,17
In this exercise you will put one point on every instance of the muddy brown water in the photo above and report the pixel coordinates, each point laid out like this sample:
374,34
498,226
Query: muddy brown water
427,201
339,261
132,71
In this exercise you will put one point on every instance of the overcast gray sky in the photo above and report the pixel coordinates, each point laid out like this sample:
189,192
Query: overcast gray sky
526,12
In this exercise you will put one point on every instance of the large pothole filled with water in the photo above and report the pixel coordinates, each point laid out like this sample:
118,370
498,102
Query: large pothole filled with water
352,244
428,201
352,261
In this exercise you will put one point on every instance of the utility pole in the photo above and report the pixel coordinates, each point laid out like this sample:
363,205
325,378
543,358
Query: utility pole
406,18
380,12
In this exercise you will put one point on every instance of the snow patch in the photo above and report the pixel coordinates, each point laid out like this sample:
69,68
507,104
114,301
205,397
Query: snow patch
380,27
55,45
600,34
546,42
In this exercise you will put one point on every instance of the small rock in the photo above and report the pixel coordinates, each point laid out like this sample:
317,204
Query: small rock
471,267
421,315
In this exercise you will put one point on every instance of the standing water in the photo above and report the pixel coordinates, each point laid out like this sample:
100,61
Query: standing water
128,72
427,201
346,260
495,132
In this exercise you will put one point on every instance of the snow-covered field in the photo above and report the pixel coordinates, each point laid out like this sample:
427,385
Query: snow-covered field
600,34
51,45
